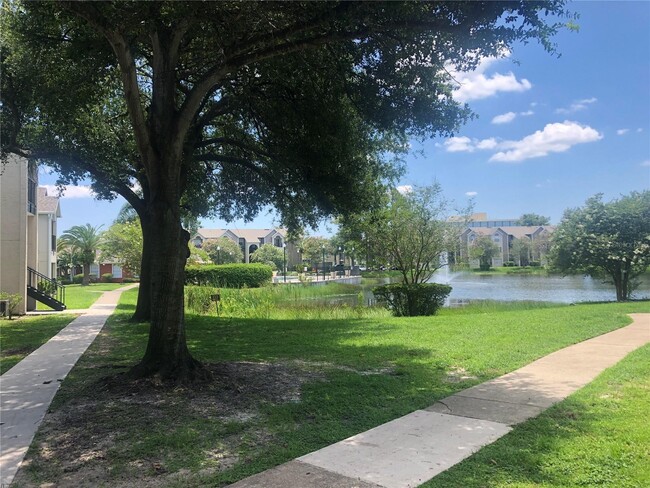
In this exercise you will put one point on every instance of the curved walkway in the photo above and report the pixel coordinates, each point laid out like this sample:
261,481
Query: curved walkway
28,388
412,449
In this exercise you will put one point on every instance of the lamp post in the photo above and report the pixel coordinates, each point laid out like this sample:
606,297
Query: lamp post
218,254
340,254
323,248
284,263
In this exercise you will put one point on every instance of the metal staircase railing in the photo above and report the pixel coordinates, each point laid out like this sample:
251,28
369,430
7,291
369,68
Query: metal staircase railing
45,289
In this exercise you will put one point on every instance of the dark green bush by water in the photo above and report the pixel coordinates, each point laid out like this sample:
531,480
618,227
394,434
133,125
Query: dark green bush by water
413,299
229,275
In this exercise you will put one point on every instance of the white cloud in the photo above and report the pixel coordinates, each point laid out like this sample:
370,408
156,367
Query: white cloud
70,191
527,113
465,144
620,132
403,189
471,193
459,144
504,118
488,144
639,129
646,162
557,137
577,106
45,170
474,85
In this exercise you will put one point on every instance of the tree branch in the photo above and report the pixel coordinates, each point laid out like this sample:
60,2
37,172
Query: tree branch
89,12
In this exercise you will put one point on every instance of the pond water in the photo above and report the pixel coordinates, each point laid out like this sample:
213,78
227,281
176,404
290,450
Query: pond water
541,288
468,286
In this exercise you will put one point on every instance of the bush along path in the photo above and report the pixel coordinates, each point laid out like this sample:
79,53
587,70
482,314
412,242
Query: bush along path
411,450
28,387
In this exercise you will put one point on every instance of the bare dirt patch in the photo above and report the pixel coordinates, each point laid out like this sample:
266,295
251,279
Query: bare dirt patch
92,439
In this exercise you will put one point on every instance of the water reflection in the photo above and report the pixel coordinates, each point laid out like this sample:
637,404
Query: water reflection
468,286
563,289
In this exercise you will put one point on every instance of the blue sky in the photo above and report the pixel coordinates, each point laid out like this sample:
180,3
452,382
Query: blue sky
550,132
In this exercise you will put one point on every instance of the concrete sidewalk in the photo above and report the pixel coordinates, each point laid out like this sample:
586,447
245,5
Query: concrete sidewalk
412,449
28,388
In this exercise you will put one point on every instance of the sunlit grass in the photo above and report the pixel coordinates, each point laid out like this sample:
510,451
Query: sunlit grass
19,337
81,297
598,436
364,372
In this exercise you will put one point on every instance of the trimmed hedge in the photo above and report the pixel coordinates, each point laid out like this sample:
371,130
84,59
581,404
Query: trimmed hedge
239,275
413,299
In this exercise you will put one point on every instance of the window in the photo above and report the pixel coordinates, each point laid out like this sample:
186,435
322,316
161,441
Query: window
277,241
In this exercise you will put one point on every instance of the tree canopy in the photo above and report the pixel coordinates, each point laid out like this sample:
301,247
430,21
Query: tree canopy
533,219
484,249
223,251
84,241
605,238
269,254
123,242
222,108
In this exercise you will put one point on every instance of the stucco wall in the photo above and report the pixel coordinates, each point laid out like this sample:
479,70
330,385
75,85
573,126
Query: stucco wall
13,229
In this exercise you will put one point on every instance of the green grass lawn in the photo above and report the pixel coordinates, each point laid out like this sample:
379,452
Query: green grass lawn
19,337
599,436
80,297
283,387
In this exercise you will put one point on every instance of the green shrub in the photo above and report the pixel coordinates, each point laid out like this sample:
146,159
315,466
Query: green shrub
535,264
509,264
107,277
12,299
229,275
413,299
47,287
130,280
78,278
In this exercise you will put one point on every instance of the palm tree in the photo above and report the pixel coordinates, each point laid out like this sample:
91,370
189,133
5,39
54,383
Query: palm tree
84,241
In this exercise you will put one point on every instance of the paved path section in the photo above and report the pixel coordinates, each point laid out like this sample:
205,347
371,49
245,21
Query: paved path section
412,449
28,388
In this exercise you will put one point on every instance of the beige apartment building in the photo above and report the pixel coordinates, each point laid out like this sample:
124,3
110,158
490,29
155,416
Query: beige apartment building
27,235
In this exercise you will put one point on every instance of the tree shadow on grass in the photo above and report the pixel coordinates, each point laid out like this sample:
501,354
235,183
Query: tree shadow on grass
282,388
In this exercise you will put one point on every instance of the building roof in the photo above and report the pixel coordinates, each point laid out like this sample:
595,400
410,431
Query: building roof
484,231
47,204
251,235
211,233
520,231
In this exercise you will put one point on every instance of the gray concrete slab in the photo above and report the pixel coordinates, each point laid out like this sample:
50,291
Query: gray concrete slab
296,474
478,408
29,387
407,451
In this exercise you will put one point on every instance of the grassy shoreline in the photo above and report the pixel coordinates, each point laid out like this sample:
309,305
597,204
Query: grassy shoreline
284,387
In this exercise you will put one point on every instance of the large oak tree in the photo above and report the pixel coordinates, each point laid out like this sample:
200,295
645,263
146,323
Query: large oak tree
225,107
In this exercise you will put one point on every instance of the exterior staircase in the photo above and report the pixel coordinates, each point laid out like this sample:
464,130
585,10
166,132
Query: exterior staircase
45,290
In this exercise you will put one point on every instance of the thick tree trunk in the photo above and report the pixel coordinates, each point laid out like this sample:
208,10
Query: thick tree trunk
143,306
167,355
